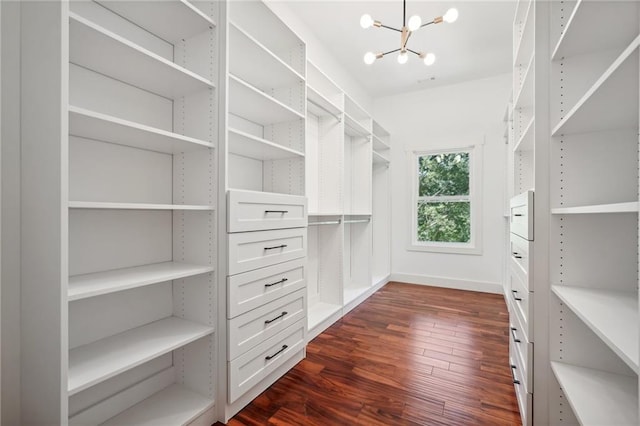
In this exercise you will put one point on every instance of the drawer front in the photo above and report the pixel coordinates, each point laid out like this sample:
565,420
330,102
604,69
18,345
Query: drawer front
251,289
522,350
521,250
250,368
257,211
253,250
522,301
256,326
525,399
522,215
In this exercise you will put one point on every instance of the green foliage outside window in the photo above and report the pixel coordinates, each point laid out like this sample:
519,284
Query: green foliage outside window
444,209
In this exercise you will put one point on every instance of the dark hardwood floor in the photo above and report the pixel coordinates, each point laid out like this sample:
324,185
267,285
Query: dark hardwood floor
409,355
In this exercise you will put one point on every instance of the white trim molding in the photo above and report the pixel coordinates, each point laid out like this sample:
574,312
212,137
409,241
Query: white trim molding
454,283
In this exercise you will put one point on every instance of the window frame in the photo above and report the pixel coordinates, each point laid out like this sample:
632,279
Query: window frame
474,246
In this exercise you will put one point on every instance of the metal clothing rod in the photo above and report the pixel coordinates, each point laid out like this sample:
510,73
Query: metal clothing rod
337,117
328,222
358,221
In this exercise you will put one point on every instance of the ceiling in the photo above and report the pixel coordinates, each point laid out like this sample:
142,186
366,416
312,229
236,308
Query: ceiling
477,45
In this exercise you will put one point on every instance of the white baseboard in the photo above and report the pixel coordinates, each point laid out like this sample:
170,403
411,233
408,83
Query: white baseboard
481,286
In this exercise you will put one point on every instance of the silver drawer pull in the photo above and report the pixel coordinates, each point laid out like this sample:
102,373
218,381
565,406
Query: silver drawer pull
513,333
276,211
276,247
516,255
518,215
515,297
513,375
277,282
276,318
268,357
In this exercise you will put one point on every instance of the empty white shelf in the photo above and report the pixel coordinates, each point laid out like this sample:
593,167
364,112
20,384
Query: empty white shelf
524,46
354,110
95,284
615,22
525,143
353,128
379,144
609,314
246,145
94,125
172,21
618,87
524,98
631,207
98,49
253,62
254,105
320,105
379,159
351,293
597,397
320,312
174,405
135,206
98,361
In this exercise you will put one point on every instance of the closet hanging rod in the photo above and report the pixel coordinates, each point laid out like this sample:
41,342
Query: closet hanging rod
358,221
336,116
327,222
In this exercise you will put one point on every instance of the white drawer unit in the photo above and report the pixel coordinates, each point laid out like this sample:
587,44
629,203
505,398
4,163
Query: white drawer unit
522,215
258,211
255,288
522,350
250,368
521,300
254,327
521,259
253,250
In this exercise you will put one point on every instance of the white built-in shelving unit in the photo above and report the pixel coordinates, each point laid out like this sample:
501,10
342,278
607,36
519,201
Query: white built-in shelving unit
594,320
130,173
380,205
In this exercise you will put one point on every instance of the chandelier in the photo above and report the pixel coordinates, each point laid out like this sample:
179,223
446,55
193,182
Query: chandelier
408,28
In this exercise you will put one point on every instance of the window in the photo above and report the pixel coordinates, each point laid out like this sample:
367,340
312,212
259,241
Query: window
444,201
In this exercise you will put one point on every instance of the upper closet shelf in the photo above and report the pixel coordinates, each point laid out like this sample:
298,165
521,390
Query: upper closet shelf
171,20
98,361
618,86
524,98
597,397
353,127
99,283
253,62
101,205
525,143
254,105
94,125
319,105
524,45
246,145
630,207
616,24
609,315
174,405
100,50
379,144
379,159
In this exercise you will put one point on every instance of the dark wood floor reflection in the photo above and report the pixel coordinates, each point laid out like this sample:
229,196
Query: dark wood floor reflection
409,355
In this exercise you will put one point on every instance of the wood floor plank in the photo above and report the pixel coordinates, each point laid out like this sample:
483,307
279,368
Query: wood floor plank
409,355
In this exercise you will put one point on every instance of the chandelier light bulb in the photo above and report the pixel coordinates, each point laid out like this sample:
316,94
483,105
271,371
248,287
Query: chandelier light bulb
366,21
369,58
450,16
403,57
414,23
429,59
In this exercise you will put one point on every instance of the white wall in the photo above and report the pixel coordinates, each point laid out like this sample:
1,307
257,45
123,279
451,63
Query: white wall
443,117
321,56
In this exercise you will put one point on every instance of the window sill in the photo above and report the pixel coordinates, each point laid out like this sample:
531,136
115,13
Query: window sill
433,248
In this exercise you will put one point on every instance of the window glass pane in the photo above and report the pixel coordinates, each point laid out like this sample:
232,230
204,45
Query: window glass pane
444,222
443,174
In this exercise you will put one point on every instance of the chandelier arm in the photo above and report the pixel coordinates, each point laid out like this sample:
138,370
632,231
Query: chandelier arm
391,51
413,51
404,47
390,28
404,13
428,23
